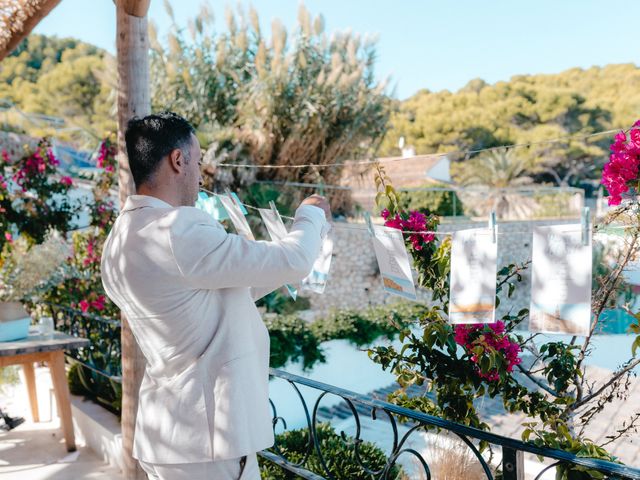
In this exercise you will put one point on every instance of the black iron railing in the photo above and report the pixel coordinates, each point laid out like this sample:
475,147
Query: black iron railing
103,355
513,451
97,369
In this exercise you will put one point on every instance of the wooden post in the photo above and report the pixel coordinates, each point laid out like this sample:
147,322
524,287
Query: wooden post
132,44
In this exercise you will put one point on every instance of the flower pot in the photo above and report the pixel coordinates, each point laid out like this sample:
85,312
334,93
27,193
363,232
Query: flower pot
12,311
14,321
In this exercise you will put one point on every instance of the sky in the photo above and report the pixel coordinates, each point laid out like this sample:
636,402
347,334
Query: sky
422,43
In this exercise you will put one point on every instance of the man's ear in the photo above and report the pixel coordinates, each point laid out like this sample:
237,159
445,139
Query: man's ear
176,160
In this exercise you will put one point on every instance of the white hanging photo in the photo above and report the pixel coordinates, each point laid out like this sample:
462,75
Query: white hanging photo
277,231
316,281
474,256
273,223
561,280
393,260
236,216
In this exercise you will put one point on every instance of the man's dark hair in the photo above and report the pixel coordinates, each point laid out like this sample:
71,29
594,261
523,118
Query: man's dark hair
153,137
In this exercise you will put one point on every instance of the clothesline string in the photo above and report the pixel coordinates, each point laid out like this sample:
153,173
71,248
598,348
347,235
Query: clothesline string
427,232
441,154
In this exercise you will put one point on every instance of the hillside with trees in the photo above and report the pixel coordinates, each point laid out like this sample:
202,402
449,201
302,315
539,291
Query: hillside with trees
525,109
63,78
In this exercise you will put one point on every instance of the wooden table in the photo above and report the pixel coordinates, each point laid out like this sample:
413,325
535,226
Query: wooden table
49,349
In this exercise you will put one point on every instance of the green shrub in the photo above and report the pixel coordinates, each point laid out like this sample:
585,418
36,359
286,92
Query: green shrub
362,327
101,389
443,203
281,303
291,339
339,456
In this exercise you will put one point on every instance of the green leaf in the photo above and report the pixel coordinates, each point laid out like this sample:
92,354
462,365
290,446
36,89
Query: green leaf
635,346
564,431
388,190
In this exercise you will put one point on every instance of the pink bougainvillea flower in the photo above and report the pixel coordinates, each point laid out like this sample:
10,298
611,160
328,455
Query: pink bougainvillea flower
84,306
52,158
67,181
8,237
99,303
395,222
416,224
623,164
490,335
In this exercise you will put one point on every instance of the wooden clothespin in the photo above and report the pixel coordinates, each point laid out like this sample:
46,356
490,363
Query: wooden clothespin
228,194
586,225
274,209
493,226
367,219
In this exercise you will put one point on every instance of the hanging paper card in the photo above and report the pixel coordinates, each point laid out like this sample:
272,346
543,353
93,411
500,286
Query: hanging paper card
393,260
274,224
473,277
213,206
316,281
561,281
277,231
236,216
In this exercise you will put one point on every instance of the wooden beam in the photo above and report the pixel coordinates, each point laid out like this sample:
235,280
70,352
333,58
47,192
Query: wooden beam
132,44
137,8
28,26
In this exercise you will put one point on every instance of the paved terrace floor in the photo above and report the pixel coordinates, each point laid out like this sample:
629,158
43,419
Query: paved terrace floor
36,451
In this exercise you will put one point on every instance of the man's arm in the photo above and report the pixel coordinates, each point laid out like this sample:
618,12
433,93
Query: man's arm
210,258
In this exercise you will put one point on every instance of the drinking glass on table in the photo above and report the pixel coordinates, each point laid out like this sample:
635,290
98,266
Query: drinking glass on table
46,327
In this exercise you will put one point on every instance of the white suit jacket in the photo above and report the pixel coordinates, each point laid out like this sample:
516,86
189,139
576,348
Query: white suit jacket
188,289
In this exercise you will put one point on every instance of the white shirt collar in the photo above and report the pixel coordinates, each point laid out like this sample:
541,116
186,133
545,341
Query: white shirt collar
134,202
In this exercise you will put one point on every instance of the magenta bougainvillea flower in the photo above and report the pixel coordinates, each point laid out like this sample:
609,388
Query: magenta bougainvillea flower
621,171
492,336
106,156
416,222
66,181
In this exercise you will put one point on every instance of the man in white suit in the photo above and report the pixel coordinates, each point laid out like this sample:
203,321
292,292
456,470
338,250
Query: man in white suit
188,290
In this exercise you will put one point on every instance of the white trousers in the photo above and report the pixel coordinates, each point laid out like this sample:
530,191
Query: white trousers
221,470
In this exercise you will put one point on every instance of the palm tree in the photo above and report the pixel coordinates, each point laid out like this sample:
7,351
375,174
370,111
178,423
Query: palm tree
498,174
496,169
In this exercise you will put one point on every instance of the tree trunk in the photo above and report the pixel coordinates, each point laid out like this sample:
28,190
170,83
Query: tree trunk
132,45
